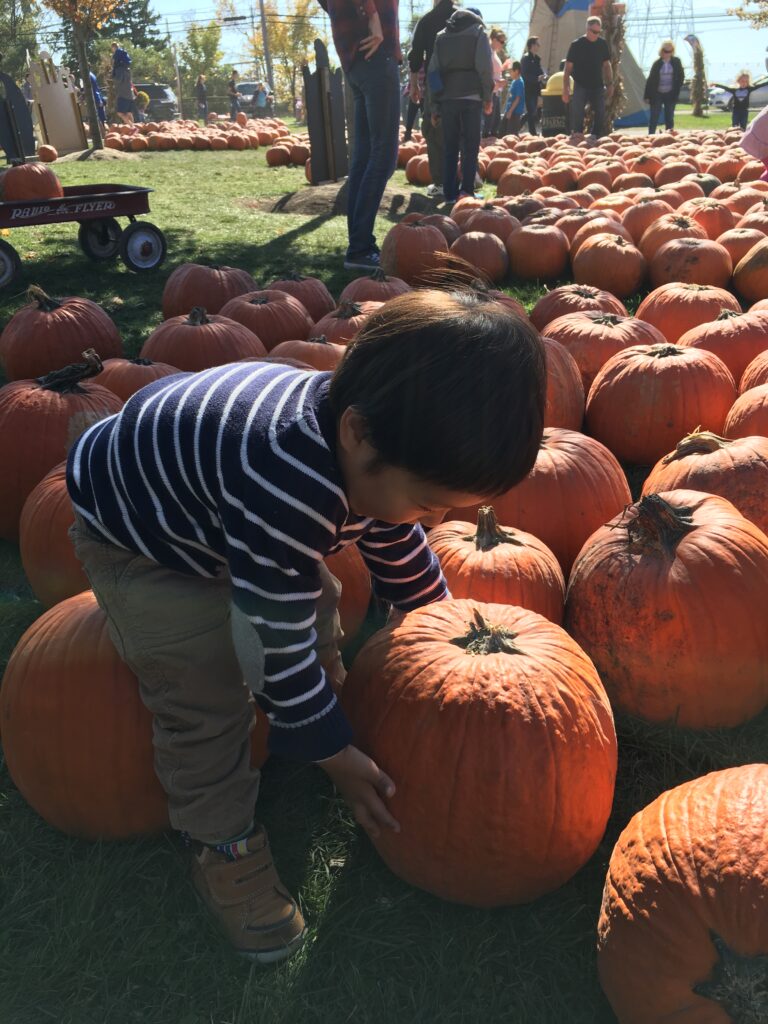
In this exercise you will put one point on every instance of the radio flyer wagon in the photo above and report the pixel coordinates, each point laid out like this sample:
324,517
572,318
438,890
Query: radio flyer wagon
141,246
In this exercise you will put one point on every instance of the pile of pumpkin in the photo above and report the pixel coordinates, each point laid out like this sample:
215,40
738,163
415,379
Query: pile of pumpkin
495,708
620,215
243,133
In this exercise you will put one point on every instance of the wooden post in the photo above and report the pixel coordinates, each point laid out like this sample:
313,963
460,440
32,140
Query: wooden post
90,101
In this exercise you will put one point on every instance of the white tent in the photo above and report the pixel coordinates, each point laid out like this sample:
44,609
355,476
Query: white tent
557,23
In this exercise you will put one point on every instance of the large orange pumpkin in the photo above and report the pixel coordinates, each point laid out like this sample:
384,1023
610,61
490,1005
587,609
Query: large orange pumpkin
666,227
39,421
341,326
489,696
683,929
692,387
374,287
755,374
51,333
592,337
193,284
410,249
676,308
485,251
639,217
200,340
537,251
575,486
693,260
667,601
77,738
736,470
319,353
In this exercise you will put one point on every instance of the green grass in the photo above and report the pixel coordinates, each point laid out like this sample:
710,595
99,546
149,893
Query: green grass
112,933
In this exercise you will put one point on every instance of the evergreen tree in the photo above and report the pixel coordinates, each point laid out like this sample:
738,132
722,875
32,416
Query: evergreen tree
136,25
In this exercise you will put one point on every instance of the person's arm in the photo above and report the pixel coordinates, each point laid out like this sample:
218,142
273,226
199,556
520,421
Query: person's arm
370,44
435,94
608,76
404,568
567,72
484,68
513,102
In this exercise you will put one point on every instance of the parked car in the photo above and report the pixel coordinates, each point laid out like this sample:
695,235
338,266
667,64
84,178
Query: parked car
724,100
163,105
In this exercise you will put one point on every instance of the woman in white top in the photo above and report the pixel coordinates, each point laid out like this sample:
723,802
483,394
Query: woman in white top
498,43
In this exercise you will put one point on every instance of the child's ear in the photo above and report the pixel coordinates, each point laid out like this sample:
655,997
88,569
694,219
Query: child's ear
353,430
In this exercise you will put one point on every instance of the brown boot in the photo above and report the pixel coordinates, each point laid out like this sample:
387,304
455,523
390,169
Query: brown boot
249,901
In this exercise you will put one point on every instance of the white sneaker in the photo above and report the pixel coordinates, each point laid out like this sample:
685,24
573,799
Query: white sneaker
434,191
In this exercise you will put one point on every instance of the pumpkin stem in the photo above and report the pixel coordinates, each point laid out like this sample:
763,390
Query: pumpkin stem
293,276
662,351
489,533
378,275
67,379
197,316
319,340
347,310
141,362
727,314
485,639
698,442
44,301
658,524
739,984
608,319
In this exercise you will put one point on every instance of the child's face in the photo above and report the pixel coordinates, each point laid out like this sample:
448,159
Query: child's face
389,493
743,81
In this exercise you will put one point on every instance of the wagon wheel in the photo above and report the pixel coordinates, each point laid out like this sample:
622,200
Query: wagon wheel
100,239
10,264
142,246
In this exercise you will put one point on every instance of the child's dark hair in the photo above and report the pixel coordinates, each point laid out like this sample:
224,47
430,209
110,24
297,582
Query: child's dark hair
451,386
516,66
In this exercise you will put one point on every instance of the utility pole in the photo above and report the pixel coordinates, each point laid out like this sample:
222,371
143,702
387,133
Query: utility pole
265,44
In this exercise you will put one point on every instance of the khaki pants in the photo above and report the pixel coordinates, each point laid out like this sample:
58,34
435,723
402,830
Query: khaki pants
192,651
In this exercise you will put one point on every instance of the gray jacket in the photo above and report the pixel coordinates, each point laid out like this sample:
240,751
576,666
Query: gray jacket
462,60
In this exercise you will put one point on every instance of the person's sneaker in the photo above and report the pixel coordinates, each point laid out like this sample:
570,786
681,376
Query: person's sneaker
371,261
434,191
247,898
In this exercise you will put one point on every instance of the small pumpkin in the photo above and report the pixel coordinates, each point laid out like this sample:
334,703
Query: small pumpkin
127,376
29,181
318,352
574,298
488,562
341,326
311,292
373,287
736,338
410,249
272,315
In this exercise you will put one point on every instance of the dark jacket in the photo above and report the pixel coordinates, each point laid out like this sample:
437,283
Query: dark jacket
531,71
652,82
462,60
426,30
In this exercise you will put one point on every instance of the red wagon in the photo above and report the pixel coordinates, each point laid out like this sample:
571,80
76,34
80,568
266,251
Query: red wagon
140,245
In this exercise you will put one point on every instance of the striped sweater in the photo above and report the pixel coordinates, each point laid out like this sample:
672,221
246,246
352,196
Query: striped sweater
234,470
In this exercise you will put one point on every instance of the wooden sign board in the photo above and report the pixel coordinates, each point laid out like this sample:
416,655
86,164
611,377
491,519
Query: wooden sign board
326,122
16,136
55,105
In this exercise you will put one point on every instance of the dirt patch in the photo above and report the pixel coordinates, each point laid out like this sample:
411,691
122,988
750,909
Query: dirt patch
98,154
331,200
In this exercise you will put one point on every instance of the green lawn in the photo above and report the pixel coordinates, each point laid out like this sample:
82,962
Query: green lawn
112,933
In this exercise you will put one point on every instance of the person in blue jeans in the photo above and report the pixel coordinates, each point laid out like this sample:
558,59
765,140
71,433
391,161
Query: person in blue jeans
514,111
367,40
460,77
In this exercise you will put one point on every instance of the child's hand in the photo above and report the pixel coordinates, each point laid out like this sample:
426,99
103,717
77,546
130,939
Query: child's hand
363,785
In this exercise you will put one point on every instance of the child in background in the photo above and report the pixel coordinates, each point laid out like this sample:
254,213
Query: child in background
514,112
203,513
741,93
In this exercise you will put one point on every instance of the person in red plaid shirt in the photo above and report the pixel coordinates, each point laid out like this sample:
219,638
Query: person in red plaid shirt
366,34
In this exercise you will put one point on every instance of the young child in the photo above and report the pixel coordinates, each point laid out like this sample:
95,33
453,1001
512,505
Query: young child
514,112
755,140
204,510
460,78
741,93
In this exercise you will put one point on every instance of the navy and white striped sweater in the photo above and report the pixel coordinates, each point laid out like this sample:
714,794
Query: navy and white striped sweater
235,467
